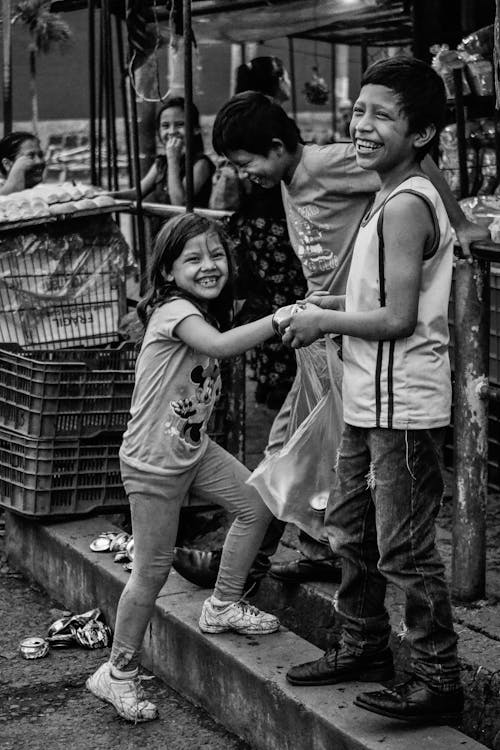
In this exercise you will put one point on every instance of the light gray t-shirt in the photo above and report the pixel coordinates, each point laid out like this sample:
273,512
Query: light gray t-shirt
174,395
324,204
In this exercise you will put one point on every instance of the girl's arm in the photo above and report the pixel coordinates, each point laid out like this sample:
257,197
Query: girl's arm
327,301
16,179
466,231
204,338
407,231
147,185
176,184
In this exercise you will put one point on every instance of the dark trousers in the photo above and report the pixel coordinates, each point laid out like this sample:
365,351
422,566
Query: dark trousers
382,523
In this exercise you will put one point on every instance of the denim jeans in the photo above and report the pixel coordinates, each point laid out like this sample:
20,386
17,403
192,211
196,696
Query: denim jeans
381,521
155,503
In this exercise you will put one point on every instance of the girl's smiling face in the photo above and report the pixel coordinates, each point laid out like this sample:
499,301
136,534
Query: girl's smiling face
30,148
202,268
172,124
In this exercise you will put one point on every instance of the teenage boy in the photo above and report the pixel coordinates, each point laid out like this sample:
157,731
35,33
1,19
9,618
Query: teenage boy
397,397
325,195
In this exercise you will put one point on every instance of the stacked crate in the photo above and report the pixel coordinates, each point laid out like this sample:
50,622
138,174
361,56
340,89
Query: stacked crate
62,415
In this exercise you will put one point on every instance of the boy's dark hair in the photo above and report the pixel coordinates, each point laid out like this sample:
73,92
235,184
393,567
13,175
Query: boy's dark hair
250,121
10,145
178,101
169,244
419,88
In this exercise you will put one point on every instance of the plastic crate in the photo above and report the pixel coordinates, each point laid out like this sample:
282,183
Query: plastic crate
66,393
59,478
62,285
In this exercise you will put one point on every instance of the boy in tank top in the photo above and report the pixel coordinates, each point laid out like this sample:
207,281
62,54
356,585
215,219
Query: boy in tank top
397,398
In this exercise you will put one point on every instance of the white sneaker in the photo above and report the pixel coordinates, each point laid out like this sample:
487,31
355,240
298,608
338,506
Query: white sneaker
125,695
239,617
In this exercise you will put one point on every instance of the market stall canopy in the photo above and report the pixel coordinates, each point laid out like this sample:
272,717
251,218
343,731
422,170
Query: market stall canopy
216,20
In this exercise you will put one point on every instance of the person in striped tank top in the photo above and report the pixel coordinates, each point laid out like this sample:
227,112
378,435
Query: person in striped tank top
397,399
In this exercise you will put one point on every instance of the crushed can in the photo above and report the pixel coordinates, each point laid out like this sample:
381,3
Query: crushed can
34,648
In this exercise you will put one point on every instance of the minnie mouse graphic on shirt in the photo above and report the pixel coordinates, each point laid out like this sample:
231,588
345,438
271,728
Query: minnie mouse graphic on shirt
194,411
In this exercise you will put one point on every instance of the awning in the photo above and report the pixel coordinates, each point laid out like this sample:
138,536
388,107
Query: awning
253,22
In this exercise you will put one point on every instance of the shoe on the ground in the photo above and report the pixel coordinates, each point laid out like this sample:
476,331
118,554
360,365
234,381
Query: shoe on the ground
415,702
125,695
239,617
201,567
340,665
197,566
301,570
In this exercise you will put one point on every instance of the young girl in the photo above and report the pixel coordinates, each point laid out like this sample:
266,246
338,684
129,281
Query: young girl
166,180
166,453
22,162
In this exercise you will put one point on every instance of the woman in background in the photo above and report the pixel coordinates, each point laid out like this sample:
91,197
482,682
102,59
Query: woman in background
22,162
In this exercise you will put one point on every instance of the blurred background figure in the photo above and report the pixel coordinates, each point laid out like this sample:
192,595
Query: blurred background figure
344,115
22,162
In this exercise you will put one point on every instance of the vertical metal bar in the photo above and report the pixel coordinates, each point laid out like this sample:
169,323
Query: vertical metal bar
113,156
333,81
293,82
472,310
137,174
7,67
100,103
92,92
107,93
188,102
123,91
461,143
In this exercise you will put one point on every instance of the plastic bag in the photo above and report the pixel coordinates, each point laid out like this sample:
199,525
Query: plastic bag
295,481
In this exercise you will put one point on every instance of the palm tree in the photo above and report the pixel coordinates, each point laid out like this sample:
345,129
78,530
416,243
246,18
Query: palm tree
45,29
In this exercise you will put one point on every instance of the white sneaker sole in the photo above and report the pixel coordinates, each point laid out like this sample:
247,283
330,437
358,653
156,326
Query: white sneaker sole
246,630
94,689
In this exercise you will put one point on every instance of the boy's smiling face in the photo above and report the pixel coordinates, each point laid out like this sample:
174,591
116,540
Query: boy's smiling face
266,171
380,131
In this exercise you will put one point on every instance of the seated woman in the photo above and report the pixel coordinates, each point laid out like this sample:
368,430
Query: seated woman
165,181
22,162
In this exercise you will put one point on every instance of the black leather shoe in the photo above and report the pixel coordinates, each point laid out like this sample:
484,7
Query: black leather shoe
339,665
415,702
201,567
197,566
298,571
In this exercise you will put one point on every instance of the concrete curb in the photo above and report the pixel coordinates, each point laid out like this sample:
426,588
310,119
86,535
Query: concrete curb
239,680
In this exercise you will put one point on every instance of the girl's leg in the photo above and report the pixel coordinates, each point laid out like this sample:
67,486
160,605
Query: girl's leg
155,517
154,527
221,479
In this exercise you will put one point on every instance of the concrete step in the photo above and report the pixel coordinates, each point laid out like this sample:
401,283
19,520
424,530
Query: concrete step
308,609
240,680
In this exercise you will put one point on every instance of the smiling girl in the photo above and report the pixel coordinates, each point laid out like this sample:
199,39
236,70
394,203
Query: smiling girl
165,182
167,455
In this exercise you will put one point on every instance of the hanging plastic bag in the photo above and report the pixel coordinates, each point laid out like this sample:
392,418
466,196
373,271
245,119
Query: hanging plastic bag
295,481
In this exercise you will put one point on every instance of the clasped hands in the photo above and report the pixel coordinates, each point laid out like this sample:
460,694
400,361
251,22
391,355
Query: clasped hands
300,324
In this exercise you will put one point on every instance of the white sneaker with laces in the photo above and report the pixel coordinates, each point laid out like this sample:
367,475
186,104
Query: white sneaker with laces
125,695
240,617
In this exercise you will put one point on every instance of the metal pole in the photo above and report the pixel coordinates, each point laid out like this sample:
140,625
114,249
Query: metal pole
139,212
293,82
188,102
123,90
461,144
333,79
7,67
113,157
92,93
472,313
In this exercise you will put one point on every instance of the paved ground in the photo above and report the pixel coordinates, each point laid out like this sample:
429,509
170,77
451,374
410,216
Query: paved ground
44,705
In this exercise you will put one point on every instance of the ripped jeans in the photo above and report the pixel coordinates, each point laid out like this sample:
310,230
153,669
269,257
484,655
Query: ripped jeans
380,520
